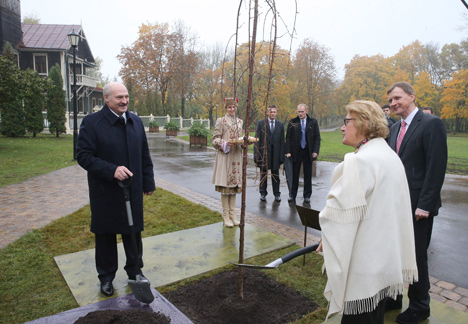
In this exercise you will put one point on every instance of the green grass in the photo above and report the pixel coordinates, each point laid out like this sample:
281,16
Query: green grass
32,286
26,157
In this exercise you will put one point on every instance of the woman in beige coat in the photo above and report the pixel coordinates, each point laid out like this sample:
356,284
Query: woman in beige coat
227,172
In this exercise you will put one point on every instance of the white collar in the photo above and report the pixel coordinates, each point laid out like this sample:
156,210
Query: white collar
410,117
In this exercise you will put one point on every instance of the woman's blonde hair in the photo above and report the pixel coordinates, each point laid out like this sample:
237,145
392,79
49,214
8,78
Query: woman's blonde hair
370,118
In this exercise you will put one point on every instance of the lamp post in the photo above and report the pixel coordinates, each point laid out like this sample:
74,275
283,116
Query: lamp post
74,39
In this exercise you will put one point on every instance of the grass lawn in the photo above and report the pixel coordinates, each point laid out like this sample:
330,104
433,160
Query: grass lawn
32,286
26,157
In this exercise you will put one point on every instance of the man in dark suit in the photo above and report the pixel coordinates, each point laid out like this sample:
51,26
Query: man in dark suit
269,152
302,147
386,110
421,142
112,146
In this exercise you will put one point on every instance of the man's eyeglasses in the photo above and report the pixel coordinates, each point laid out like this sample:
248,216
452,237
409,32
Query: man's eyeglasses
346,121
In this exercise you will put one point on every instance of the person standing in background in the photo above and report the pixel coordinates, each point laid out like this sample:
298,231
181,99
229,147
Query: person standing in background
302,147
269,152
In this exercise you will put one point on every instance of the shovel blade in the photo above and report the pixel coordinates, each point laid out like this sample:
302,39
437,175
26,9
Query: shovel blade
141,290
253,266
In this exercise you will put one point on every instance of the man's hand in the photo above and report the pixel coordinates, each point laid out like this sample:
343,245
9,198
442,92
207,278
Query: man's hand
314,155
288,155
421,214
122,173
149,193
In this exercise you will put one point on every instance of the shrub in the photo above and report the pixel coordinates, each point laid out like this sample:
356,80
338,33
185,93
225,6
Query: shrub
153,124
171,126
198,129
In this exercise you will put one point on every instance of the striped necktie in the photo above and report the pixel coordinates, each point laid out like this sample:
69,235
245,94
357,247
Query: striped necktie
401,135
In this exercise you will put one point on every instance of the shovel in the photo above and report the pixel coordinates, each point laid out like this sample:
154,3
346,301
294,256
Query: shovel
140,287
283,259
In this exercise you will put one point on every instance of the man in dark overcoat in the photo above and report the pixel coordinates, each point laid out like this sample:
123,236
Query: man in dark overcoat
269,151
420,140
303,147
112,146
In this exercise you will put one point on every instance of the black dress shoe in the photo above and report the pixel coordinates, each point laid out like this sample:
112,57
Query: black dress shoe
291,199
307,200
278,198
262,198
107,288
391,304
410,316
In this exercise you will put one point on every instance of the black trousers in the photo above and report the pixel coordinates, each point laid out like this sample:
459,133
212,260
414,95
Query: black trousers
418,292
303,157
374,317
106,256
275,182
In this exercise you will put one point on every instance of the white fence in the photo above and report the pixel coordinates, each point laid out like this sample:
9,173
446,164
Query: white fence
161,120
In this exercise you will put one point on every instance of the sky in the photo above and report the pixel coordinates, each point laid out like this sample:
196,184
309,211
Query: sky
344,27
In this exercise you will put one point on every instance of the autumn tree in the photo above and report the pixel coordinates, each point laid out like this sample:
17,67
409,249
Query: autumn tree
453,57
455,99
367,78
152,63
208,86
279,87
412,58
187,64
315,73
426,92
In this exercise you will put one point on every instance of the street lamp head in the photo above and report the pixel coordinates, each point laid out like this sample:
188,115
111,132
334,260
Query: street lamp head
73,38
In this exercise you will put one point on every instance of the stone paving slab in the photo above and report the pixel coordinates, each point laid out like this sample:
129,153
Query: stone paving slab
441,313
127,302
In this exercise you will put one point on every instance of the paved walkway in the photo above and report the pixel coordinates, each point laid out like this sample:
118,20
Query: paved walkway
36,202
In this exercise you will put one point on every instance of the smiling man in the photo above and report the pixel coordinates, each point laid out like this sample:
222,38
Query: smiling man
420,141
112,146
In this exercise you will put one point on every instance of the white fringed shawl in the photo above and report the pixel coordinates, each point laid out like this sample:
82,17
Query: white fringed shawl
367,230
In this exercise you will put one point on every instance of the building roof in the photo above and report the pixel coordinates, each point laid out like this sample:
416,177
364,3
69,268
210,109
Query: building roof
43,36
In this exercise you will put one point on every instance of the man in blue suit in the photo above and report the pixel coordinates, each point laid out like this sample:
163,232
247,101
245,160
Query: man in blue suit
302,147
421,142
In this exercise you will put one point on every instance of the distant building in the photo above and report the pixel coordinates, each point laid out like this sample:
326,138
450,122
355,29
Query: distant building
40,46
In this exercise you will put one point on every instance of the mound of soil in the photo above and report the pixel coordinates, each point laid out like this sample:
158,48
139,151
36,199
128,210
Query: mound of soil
214,300
133,316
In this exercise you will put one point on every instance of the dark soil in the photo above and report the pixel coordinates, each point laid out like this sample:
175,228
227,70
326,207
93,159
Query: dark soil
133,316
214,300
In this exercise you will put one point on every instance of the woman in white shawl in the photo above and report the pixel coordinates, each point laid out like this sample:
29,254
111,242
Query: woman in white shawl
367,230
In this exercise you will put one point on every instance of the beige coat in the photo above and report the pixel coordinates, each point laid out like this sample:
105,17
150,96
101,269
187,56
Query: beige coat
227,171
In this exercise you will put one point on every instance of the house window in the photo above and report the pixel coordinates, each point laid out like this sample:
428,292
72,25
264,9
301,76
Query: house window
94,102
100,102
40,64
